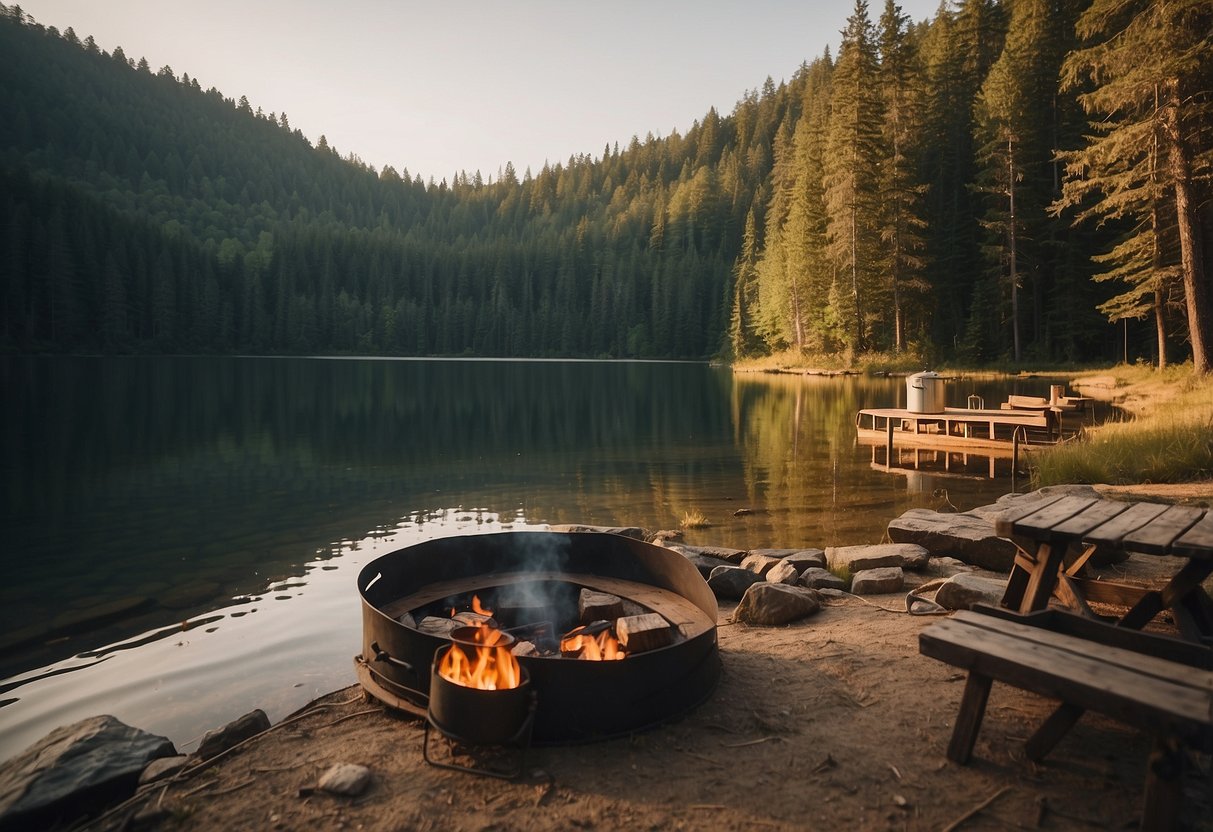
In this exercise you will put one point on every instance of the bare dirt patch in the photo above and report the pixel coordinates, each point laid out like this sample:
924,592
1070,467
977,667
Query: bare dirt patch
835,722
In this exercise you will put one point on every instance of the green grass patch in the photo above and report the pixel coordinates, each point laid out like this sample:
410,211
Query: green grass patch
1171,441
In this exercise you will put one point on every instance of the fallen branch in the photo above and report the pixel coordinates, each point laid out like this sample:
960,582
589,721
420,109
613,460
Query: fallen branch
956,824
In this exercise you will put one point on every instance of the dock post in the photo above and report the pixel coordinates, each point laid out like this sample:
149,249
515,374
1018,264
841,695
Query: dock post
1015,457
888,448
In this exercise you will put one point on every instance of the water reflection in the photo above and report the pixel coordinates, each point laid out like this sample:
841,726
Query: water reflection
199,521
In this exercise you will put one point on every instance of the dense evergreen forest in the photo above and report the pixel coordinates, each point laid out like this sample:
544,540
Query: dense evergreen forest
998,183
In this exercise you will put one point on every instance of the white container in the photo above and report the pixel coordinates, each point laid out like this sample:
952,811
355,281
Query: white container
925,393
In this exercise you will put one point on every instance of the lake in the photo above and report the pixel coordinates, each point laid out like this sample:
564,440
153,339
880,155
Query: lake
182,535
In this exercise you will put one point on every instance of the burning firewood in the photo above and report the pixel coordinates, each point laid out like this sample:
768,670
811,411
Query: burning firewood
640,633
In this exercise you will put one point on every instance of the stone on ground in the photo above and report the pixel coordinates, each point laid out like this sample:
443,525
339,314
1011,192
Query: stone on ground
724,553
963,590
859,558
817,578
234,733
806,558
760,564
783,573
163,767
766,604
624,531
877,581
730,582
345,779
965,536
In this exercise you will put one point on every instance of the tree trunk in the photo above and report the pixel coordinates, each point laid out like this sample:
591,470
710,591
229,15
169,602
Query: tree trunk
1191,254
1011,239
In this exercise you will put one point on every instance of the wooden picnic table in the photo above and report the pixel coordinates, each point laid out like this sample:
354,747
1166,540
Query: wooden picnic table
1051,528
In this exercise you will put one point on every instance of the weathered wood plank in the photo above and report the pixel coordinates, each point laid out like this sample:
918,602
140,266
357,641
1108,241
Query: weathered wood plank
1129,520
1156,537
1062,670
1089,518
1094,644
1005,521
1040,524
1196,542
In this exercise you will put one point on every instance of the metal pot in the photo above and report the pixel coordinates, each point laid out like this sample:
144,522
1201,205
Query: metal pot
478,717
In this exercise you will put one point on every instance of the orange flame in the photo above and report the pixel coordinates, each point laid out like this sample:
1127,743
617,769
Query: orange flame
491,666
477,607
603,647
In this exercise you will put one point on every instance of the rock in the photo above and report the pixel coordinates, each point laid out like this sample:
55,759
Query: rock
623,531
859,558
75,771
235,732
163,767
877,581
760,564
767,604
1009,501
916,557
947,567
664,536
742,512
965,536
817,578
345,779
963,590
733,556
707,565
730,582
783,573
806,558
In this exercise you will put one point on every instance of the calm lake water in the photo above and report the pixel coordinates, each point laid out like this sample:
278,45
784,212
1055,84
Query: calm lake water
181,536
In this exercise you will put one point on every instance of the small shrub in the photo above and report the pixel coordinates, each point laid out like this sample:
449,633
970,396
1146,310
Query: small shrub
694,519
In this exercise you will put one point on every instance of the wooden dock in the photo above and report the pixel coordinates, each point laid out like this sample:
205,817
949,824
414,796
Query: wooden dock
958,427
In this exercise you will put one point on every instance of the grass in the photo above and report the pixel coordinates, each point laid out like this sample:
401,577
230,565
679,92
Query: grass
1170,438
694,519
841,571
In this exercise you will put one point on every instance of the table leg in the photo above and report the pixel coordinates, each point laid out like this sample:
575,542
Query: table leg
968,721
1043,578
1186,581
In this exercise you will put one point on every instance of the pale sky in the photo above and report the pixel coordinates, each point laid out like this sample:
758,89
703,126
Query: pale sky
452,85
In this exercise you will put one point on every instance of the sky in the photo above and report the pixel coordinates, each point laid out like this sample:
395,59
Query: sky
448,85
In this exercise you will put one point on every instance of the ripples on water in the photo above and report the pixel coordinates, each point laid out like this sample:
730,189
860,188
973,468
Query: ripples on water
183,534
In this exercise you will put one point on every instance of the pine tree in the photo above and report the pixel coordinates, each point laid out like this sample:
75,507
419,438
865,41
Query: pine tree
1148,64
851,171
901,193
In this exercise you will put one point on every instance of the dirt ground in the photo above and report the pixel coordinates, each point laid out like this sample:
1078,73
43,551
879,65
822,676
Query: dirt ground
835,722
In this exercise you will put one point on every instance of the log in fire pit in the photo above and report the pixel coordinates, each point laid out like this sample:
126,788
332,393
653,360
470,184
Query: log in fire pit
614,634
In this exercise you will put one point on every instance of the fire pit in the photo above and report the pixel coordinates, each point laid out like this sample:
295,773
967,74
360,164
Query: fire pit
614,634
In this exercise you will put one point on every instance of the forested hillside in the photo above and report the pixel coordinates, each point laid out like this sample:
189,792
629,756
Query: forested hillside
904,193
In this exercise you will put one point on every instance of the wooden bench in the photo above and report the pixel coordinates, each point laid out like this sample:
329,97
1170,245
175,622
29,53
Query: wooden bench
1156,684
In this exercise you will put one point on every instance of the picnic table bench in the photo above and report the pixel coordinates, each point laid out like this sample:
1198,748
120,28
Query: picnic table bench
1160,685
1051,529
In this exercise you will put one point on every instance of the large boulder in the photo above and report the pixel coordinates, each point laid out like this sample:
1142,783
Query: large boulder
768,605
75,771
963,590
965,536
